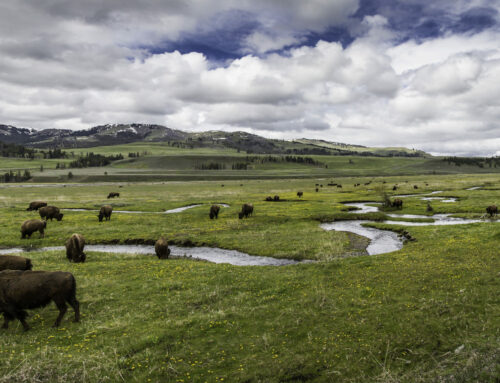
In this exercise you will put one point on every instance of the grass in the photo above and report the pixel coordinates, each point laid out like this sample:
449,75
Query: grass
429,312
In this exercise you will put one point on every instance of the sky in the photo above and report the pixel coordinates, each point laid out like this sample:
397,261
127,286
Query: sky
420,74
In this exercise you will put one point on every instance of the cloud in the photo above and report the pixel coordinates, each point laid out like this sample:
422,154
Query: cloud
79,64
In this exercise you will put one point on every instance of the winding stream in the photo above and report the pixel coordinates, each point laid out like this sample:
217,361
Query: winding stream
385,241
211,254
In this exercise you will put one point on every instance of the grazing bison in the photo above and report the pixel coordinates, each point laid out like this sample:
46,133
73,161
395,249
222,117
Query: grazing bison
74,248
21,290
276,198
31,225
13,262
492,210
113,195
317,190
300,194
397,203
269,198
214,211
246,210
394,187
415,187
339,186
35,205
51,212
161,248
105,212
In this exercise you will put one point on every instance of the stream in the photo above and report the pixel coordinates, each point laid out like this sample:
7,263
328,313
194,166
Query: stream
171,211
385,241
211,254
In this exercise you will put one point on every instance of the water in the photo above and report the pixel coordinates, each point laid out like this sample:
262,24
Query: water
171,211
475,188
386,241
211,254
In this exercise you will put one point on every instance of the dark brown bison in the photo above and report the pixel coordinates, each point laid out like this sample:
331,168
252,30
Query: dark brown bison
276,198
22,290
161,248
105,213
269,198
51,212
35,205
339,186
397,203
246,210
415,187
74,248
300,194
113,195
317,190
13,262
214,211
394,187
492,210
31,225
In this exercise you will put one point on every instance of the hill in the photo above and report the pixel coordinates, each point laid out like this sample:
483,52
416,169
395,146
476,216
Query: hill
118,134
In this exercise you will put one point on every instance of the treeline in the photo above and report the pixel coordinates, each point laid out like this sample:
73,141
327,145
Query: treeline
56,153
18,176
210,166
481,162
16,151
93,160
251,160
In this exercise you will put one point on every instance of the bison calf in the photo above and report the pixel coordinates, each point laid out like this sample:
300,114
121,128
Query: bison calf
246,210
21,290
214,211
13,262
31,225
74,248
161,248
51,212
35,205
105,213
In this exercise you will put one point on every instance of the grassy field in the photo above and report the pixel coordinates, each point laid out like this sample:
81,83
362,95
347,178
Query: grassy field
427,313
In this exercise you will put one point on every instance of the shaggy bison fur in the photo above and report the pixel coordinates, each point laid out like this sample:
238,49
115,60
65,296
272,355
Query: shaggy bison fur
214,211
397,203
300,194
161,248
105,213
13,262
74,248
492,210
276,198
51,212
35,205
22,290
113,195
246,210
31,225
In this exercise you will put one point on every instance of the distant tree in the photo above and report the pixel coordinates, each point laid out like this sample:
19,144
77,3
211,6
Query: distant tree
70,175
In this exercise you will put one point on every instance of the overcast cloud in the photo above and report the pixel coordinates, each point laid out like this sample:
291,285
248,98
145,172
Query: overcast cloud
378,72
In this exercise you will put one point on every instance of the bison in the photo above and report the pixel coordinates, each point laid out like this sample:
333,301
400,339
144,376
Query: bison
35,205
13,262
74,248
492,210
31,225
317,190
276,198
246,210
51,212
113,195
105,212
415,187
21,290
161,248
300,194
394,187
269,198
397,203
214,211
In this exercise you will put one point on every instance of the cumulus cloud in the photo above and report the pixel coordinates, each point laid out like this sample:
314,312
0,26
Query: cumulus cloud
75,65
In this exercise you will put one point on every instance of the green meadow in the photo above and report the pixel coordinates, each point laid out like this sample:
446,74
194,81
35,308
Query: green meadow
427,313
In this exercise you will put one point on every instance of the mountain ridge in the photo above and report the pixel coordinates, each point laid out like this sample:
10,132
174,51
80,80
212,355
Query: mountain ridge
116,134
